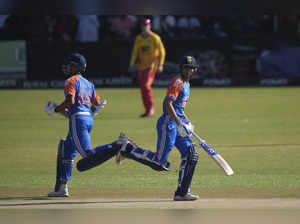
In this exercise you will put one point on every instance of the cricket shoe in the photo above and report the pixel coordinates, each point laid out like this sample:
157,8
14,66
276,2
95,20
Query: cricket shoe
187,197
123,140
149,113
62,192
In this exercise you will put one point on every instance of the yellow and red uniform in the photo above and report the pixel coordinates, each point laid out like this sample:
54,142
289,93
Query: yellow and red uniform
148,52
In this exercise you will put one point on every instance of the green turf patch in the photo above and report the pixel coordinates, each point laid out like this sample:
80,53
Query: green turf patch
255,129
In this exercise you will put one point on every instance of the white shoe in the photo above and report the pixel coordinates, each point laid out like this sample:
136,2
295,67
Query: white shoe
187,197
123,140
62,192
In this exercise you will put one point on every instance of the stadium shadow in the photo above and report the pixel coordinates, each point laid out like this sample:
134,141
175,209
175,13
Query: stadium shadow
24,204
24,198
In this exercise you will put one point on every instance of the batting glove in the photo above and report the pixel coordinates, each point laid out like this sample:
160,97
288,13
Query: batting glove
50,107
99,107
185,129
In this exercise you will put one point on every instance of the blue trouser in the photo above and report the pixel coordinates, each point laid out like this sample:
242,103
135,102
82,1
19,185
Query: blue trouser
78,141
168,137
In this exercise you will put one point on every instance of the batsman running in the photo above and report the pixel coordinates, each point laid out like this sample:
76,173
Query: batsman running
81,104
173,129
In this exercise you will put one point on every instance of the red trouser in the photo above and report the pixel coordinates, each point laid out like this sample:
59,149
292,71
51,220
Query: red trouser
146,78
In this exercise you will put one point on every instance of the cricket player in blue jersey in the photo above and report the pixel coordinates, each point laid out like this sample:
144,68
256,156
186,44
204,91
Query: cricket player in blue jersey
81,104
173,129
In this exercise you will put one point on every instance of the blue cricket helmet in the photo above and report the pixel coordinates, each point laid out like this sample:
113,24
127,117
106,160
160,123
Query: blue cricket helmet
77,60
189,61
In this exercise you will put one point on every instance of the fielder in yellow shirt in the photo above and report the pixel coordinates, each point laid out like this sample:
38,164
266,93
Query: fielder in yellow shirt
149,54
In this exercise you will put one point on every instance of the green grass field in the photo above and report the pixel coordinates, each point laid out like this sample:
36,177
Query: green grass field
257,130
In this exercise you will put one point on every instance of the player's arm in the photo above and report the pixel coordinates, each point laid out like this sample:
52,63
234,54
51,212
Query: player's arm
133,55
171,111
65,104
51,107
162,55
70,96
97,104
96,101
183,128
162,52
172,94
186,118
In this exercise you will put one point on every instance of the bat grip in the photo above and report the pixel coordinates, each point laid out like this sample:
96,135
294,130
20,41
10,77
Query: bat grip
197,137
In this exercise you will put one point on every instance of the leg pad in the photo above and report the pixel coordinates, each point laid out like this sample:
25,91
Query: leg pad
97,159
145,157
186,171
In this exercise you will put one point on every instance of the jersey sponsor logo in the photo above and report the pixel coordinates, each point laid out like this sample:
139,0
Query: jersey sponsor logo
145,48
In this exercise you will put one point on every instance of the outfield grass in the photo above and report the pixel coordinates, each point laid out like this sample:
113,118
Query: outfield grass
255,129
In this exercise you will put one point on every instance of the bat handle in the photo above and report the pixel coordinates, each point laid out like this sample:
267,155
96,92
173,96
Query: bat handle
197,137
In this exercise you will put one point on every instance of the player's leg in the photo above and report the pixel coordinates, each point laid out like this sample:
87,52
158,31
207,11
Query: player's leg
166,136
99,155
149,93
142,77
144,156
146,78
189,159
65,162
91,157
60,150
157,161
74,144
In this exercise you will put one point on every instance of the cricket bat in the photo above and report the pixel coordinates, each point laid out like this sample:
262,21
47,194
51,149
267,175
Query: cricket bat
214,154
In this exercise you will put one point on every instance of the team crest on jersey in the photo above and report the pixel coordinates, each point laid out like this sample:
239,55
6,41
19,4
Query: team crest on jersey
145,48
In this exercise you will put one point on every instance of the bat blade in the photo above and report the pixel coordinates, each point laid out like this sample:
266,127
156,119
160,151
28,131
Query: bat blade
215,155
223,164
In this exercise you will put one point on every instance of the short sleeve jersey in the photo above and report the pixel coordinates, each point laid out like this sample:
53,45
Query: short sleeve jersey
149,52
179,93
83,91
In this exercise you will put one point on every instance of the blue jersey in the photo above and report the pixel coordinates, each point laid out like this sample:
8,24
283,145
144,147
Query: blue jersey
83,91
179,93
